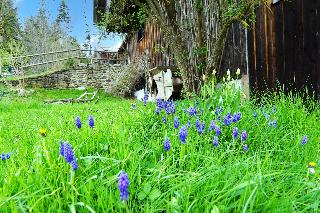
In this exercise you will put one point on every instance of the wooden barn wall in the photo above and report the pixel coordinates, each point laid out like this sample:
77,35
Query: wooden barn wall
284,46
153,43
234,55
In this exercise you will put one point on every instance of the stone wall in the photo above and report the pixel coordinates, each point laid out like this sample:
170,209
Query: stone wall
100,77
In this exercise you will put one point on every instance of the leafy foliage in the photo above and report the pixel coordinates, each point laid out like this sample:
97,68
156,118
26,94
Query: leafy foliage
123,16
9,24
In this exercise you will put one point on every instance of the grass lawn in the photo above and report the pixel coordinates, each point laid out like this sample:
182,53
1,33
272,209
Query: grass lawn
267,171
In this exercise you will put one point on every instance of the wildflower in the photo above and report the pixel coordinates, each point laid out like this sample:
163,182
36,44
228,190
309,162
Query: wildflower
237,116
235,132
157,111
212,126
123,185
244,135
304,140
218,117
312,170
67,152
255,114
168,110
228,78
245,147
267,116
43,132
78,122
215,141
5,156
61,148
214,72
159,103
192,111
238,72
173,107
189,124
164,119
184,110
91,121
218,110
145,98
226,121
228,72
176,123
218,131
274,109
312,164
134,106
166,144
275,124
74,165
201,128
183,133
198,123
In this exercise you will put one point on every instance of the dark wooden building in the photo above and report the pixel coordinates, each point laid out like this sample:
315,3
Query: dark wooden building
281,48
284,46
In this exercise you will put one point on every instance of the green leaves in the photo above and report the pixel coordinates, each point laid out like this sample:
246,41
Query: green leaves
149,192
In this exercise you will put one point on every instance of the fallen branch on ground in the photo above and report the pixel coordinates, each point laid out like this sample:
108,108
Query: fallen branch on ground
82,99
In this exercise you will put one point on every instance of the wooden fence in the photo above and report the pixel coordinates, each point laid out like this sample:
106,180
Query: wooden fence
57,60
284,46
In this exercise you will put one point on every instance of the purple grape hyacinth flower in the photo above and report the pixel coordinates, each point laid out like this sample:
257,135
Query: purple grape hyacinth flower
176,122
189,124
218,131
164,119
123,185
78,122
192,111
235,132
166,144
74,165
255,114
245,147
157,111
145,98
159,103
212,126
5,156
183,133
68,152
226,121
198,123
201,128
91,121
304,140
244,135
215,142
61,149
173,108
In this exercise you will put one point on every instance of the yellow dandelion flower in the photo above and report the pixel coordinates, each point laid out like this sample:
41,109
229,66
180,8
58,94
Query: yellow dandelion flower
312,164
43,132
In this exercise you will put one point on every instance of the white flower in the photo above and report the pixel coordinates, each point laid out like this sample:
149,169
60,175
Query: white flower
238,71
204,77
223,79
214,72
228,72
312,170
228,78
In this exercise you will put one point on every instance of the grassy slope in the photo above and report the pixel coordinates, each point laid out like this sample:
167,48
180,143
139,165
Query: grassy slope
196,177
